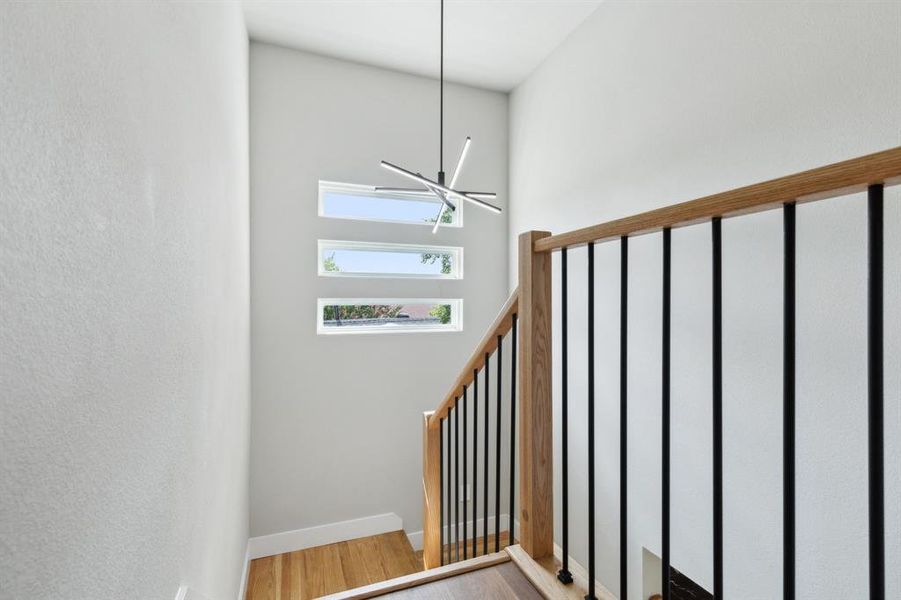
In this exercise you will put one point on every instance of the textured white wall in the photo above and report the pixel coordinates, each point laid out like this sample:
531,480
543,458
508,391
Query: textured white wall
651,103
336,419
124,319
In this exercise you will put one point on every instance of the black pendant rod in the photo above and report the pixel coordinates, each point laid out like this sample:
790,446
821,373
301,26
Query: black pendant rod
875,415
441,106
788,406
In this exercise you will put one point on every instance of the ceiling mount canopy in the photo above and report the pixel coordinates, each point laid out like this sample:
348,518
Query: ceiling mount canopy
446,193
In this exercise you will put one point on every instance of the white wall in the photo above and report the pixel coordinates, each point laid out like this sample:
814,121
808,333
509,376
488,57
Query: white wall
651,103
124,319
336,428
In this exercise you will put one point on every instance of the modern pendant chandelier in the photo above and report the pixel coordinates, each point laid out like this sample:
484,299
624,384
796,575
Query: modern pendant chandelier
438,188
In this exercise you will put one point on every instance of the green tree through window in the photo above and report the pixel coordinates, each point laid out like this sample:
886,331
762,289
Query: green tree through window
329,263
350,312
442,312
429,258
447,217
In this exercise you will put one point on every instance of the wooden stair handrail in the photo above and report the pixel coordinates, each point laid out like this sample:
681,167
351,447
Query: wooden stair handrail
838,179
431,434
501,325
531,302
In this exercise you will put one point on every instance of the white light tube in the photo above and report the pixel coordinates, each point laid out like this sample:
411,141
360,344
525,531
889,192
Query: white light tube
438,186
459,166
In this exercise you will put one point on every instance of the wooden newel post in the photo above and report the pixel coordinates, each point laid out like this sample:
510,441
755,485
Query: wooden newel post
431,489
536,476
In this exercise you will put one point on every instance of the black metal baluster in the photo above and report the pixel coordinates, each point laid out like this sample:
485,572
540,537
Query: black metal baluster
447,493
485,465
463,491
875,390
441,486
475,462
717,231
788,406
450,484
497,447
623,417
665,420
591,543
512,525
563,574
456,481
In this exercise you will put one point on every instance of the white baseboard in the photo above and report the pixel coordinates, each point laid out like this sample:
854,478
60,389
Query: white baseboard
573,564
299,539
243,588
580,573
415,537
187,593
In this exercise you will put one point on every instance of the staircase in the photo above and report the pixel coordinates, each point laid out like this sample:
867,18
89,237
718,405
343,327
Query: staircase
493,429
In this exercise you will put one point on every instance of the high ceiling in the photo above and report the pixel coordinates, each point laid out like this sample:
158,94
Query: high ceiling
492,44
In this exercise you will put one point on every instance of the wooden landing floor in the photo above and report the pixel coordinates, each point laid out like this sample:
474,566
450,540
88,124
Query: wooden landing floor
333,568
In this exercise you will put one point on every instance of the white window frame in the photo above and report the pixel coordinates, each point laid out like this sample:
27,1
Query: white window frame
355,189
328,246
456,324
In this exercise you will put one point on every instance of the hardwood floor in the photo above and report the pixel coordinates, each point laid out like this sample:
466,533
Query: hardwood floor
333,568
343,566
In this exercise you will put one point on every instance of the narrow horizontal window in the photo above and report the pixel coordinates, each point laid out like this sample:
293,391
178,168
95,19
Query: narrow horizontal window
364,202
366,259
388,315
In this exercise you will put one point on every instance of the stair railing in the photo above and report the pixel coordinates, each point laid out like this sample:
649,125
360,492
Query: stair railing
531,306
444,532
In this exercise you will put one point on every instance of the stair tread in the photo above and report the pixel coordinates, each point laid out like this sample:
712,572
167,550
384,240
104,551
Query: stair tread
424,578
543,575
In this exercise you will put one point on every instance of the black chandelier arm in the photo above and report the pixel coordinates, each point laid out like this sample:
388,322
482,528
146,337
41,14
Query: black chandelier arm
422,192
438,188
433,184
